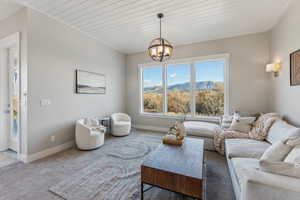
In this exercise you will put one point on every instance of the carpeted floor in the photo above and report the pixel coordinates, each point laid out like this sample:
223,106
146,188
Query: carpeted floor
67,172
7,158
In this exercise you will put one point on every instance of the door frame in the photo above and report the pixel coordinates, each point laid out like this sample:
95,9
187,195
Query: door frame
15,39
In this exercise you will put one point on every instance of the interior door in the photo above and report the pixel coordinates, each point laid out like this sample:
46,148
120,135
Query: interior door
9,94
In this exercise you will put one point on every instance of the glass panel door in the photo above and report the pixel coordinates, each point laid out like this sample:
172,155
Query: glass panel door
14,95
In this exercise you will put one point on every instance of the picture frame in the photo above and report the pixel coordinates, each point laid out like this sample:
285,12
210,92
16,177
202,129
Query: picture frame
295,68
90,82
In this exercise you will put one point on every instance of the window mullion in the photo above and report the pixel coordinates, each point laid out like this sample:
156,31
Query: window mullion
141,75
193,89
165,89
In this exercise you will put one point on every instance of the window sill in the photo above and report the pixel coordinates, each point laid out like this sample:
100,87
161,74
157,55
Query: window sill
195,118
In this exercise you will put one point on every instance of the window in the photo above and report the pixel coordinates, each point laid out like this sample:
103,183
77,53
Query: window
179,88
195,87
153,90
209,89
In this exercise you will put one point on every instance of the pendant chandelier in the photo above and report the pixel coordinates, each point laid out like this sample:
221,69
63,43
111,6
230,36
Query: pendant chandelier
160,49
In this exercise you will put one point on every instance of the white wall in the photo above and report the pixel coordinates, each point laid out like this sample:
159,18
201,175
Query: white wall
248,81
55,52
285,40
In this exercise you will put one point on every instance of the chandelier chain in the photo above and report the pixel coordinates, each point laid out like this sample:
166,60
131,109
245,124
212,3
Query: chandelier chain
160,28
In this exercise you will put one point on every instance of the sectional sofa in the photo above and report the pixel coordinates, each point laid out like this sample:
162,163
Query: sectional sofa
248,181
243,156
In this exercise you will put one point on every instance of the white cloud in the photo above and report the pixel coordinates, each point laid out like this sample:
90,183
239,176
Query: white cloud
173,75
148,81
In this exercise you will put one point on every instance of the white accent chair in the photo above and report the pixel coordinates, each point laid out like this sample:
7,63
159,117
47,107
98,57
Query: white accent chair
121,124
89,134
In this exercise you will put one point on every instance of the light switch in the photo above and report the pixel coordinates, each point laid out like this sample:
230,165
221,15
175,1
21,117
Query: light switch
45,102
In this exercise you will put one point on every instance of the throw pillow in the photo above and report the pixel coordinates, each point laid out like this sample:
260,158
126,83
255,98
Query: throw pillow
262,125
281,168
282,158
226,120
242,124
276,152
280,130
294,155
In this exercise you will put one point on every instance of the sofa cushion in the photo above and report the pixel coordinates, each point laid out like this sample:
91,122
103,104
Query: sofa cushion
294,156
242,166
279,130
201,129
281,168
276,152
245,148
249,169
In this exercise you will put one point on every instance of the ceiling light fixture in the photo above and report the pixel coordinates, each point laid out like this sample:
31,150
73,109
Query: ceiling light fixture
160,49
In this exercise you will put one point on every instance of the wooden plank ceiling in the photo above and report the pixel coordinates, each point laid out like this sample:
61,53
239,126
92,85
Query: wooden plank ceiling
129,25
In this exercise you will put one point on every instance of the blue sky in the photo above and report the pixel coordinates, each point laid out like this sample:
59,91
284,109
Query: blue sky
152,76
208,71
178,74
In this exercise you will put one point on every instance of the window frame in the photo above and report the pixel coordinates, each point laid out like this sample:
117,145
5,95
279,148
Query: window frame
191,61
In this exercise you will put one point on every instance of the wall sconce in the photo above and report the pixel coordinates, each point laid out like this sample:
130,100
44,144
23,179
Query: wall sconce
274,67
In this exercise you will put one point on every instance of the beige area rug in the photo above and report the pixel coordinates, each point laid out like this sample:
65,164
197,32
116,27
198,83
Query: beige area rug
32,181
115,176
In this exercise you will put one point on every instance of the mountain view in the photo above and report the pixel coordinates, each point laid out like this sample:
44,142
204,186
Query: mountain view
209,98
209,89
201,85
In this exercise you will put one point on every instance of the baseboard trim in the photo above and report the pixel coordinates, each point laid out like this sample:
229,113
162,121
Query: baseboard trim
151,128
46,152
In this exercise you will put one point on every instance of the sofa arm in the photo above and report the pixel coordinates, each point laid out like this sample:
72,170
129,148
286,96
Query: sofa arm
257,185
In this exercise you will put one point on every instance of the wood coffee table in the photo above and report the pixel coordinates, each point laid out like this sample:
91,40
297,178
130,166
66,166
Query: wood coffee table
176,168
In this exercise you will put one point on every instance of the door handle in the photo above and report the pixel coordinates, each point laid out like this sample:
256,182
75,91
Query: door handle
7,111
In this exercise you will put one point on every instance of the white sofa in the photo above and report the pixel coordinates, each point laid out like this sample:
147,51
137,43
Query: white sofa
248,181
89,134
120,124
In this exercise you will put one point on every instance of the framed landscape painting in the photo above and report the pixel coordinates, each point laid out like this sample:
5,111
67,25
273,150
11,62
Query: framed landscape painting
90,82
295,68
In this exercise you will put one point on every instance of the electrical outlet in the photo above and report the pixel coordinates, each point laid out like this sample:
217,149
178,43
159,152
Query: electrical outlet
52,138
45,102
